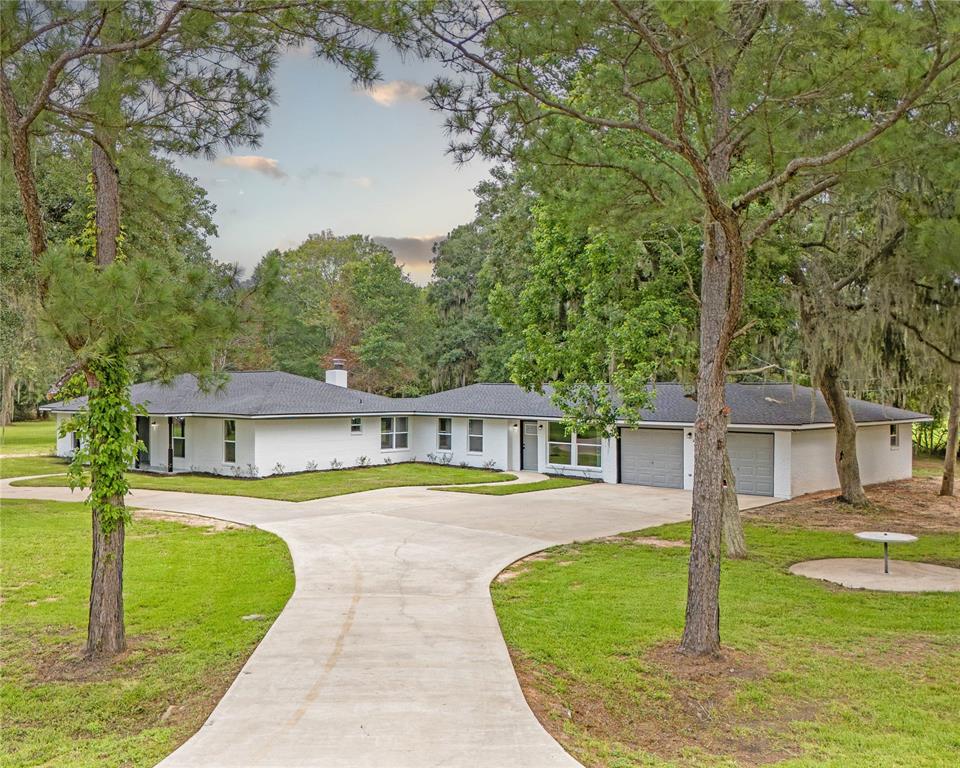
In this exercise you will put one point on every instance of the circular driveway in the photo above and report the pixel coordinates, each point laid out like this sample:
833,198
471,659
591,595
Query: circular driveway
389,654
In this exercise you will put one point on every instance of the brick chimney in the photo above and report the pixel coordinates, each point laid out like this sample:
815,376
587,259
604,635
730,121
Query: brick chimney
337,375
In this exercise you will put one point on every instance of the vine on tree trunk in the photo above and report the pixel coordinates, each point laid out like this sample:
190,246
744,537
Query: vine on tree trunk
107,437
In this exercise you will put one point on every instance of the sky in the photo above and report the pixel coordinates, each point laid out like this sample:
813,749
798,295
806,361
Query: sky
334,157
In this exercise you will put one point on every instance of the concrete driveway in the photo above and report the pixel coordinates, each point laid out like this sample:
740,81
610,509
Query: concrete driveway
389,654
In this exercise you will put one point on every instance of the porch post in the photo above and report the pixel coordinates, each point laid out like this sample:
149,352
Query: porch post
169,443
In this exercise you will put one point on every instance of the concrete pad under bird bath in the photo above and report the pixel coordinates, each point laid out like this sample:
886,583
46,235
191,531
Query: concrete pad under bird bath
867,573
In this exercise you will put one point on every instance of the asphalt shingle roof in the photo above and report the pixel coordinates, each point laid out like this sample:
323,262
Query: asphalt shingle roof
750,404
250,393
273,393
488,400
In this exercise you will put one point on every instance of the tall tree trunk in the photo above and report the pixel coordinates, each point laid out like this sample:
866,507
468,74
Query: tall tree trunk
721,299
105,627
105,630
106,185
7,397
733,538
848,467
22,171
953,434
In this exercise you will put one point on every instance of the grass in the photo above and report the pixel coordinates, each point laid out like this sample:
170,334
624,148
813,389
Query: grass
29,437
307,485
928,466
814,675
509,490
20,466
186,638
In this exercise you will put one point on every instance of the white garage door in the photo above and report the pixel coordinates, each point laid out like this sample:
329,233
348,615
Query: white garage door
652,457
751,456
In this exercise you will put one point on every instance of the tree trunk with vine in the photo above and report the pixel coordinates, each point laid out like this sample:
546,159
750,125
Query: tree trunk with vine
105,629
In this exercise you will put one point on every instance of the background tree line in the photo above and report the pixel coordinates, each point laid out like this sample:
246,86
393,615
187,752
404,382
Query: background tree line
552,270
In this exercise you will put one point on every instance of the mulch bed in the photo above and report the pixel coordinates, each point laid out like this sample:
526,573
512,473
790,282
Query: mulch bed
904,505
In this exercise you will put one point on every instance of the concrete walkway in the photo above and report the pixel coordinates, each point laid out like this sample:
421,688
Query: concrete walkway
389,653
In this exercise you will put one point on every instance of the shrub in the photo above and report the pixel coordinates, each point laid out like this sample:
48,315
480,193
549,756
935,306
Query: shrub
387,461
336,464
363,461
489,465
278,469
312,466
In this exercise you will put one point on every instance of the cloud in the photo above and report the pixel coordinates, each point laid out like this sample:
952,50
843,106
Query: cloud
265,165
389,93
414,253
364,182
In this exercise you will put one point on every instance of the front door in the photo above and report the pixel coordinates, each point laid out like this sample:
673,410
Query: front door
143,435
528,451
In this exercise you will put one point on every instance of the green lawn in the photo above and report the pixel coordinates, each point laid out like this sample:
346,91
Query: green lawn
509,490
308,485
38,437
187,640
20,466
820,676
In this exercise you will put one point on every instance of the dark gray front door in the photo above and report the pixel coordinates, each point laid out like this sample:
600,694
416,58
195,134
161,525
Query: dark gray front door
528,459
143,435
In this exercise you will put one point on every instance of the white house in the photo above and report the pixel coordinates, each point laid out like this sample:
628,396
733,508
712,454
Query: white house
781,438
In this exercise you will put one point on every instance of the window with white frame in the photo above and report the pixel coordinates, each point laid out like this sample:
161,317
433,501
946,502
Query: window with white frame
559,444
229,441
475,435
573,449
894,436
179,437
445,434
588,448
356,425
394,433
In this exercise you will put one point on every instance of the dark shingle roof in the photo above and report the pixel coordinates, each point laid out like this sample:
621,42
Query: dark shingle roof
250,393
488,400
272,393
750,404
784,404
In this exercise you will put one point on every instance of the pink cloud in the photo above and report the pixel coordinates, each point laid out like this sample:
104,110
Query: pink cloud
265,165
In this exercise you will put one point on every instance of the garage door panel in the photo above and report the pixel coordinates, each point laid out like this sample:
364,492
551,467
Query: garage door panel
751,456
652,457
